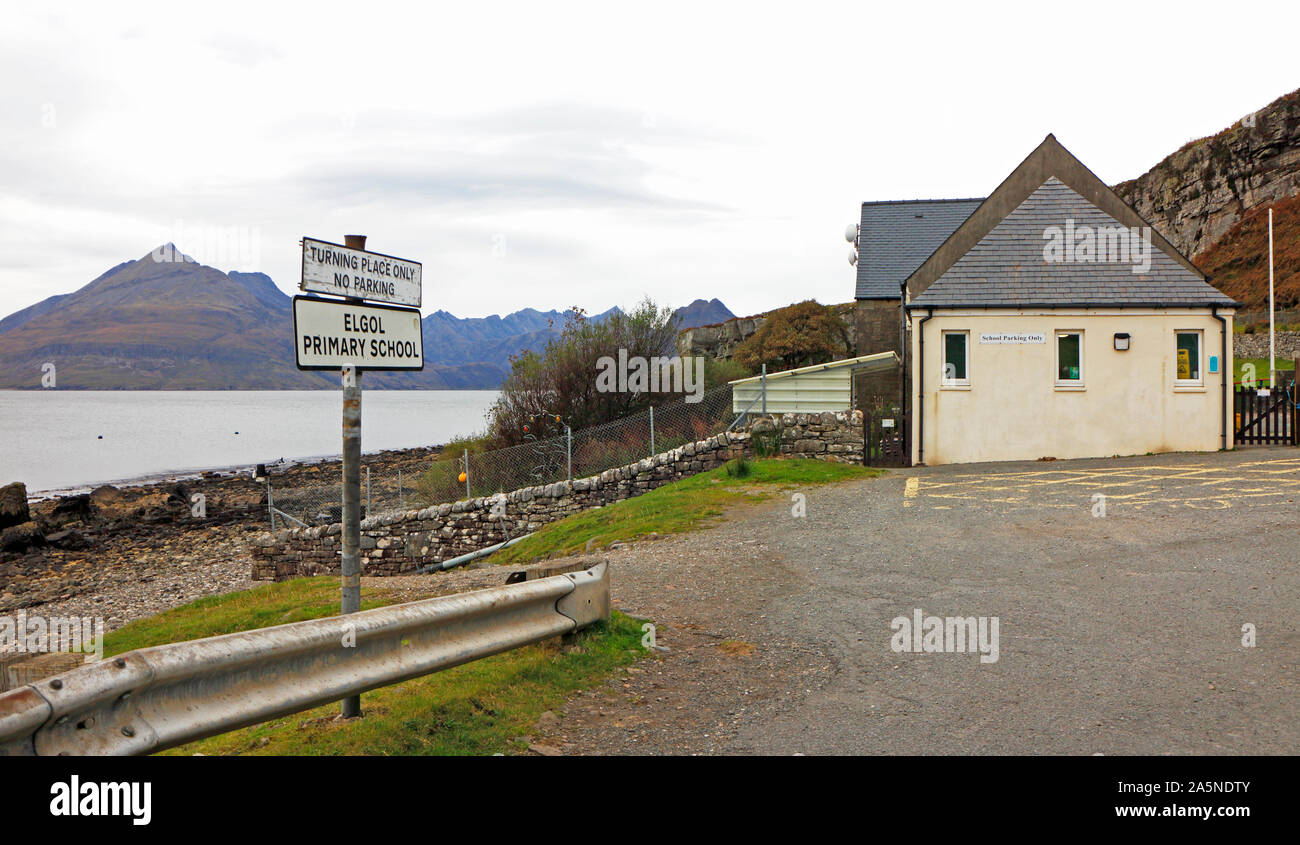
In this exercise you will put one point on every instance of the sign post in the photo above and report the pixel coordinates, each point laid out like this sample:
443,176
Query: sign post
350,335
351,565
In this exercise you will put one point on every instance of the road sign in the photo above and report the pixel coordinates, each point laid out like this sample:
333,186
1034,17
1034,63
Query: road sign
330,334
345,271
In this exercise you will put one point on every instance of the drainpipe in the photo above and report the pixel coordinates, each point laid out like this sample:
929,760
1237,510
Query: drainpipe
1223,375
904,355
920,387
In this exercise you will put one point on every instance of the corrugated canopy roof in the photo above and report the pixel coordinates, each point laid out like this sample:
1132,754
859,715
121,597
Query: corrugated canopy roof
868,363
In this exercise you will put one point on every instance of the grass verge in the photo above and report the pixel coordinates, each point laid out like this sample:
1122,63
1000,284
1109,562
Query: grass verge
681,506
260,607
479,708
1261,368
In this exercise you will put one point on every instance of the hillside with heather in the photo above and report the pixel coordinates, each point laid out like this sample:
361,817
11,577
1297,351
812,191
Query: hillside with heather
1237,263
1210,199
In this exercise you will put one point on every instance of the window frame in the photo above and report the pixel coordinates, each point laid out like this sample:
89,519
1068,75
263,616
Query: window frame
1192,384
1058,382
944,381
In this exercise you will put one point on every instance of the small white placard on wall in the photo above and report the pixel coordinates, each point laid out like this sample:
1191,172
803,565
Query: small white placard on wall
1013,337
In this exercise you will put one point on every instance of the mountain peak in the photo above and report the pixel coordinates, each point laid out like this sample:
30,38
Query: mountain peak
168,253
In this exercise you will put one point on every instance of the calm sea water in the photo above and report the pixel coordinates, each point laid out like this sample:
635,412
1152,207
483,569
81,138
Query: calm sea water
50,439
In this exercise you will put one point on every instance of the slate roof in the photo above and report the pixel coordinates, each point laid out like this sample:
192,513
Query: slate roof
1007,266
897,236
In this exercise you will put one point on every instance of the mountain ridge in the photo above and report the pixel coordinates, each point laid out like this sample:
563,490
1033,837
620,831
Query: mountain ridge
176,324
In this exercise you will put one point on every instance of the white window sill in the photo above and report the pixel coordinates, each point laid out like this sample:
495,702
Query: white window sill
1189,388
955,385
1069,387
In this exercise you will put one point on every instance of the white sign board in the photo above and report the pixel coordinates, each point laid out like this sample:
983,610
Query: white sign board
330,334
343,271
1013,337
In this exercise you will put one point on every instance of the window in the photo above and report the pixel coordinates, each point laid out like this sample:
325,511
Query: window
1069,359
1187,348
955,359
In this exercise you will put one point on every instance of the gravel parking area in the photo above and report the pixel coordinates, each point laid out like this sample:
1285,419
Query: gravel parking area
1119,634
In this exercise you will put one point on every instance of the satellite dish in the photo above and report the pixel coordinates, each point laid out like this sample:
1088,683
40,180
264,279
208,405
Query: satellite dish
851,233
853,257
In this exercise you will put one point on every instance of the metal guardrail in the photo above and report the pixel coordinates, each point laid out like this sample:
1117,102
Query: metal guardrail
160,697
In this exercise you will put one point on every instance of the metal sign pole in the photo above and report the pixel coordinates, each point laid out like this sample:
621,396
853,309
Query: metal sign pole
351,566
351,508
349,335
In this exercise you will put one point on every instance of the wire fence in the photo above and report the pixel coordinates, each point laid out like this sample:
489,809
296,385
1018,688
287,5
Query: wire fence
569,455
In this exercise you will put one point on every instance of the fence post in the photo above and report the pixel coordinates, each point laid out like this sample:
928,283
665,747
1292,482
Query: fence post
467,495
568,450
652,431
401,502
367,491
270,501
763,387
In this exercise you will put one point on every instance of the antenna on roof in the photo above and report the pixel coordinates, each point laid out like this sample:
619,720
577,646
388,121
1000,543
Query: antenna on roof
851,233
853,257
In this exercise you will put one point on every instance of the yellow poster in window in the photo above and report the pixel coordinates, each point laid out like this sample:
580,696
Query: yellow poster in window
1184,364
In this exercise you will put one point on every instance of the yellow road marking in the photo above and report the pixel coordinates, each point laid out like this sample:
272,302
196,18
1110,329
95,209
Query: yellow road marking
1208,486
910,491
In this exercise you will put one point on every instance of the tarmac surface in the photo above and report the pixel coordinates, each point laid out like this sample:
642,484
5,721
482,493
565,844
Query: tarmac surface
1123,622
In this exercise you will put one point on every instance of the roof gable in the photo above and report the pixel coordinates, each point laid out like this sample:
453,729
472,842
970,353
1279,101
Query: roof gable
1049,159
1023,261
895,237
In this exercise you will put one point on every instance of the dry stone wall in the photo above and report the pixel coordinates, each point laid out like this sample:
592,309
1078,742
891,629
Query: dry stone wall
404,541
1286,345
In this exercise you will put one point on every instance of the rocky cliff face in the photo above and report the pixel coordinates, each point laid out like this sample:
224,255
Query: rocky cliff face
720,340
1197,194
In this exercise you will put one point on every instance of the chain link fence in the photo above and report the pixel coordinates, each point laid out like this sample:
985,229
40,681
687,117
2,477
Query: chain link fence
572,454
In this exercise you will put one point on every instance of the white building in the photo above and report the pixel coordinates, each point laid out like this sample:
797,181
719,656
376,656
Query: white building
1056,322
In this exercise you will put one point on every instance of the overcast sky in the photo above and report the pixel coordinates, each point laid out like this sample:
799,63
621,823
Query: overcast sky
545,154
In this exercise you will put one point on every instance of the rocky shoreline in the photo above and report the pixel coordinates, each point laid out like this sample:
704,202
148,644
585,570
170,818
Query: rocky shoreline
124,552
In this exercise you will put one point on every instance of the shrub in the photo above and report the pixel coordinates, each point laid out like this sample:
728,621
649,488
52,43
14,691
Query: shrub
738,468
796,336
